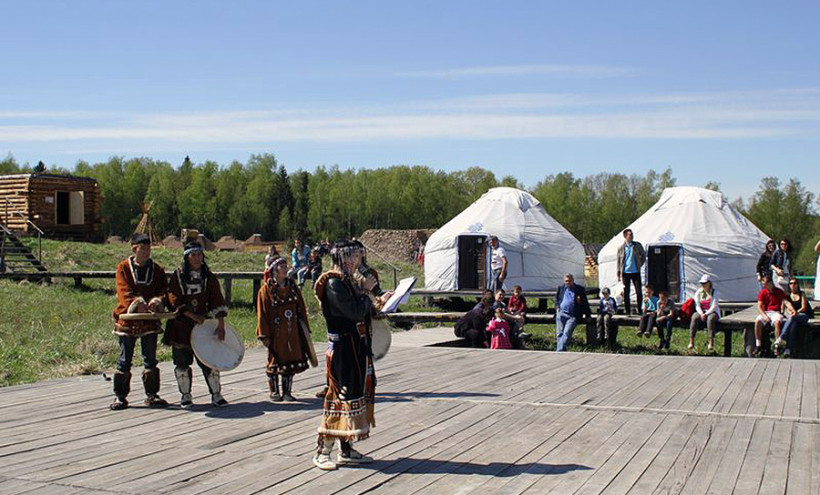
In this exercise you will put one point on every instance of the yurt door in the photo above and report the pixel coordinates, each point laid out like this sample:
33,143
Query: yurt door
472,262
663,269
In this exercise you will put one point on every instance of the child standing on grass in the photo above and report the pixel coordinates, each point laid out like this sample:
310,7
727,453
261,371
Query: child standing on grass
500,331
649,309
606,308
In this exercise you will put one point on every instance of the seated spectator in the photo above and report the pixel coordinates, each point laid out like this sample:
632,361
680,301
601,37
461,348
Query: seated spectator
649,308
324,247
797,310
472,326
271,256
299,256
606,308
486,293
499,331
769,304
707,312
572,307
500,294
664,319
314,267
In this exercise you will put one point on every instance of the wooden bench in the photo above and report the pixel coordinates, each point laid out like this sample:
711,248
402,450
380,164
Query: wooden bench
737,322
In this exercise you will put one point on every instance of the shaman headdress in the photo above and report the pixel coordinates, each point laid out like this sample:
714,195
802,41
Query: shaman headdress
343,251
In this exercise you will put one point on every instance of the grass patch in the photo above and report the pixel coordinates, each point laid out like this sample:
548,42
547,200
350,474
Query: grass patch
543,339
50,331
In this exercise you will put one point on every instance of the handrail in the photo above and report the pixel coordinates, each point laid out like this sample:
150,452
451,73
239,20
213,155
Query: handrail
394,267
40,233
24,217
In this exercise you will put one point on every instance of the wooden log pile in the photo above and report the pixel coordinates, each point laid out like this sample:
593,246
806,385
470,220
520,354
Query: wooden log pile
395,245
14,197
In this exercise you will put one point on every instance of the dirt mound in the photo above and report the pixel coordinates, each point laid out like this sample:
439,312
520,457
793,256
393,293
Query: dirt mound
228,243
395,245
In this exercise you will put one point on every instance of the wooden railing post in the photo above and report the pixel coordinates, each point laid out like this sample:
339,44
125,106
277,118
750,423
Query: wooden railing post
257,284
228,283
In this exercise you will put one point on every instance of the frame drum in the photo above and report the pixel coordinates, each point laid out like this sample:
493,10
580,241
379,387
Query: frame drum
382,338
221,355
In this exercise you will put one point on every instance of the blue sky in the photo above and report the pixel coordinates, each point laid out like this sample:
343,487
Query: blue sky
718,91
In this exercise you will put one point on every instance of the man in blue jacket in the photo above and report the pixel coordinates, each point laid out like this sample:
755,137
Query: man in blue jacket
571,308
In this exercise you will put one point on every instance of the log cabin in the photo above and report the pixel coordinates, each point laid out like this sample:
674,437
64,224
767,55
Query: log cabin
62,206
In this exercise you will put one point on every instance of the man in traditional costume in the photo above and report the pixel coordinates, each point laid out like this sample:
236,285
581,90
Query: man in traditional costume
348,300
281,312
195,294
140,289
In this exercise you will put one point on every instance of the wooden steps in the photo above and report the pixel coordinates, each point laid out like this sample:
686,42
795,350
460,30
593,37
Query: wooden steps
17,258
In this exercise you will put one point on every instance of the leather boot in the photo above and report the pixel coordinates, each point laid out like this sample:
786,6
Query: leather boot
287,385
150,381
122,386
184,377
273,385
322,458
215,387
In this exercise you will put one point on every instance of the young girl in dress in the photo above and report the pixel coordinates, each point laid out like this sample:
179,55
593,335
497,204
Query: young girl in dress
500,330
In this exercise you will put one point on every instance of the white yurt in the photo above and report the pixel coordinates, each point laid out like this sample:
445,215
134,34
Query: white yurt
539,249
691,231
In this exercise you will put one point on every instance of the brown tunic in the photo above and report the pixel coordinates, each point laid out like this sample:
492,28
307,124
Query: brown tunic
279,309
132,290
202,299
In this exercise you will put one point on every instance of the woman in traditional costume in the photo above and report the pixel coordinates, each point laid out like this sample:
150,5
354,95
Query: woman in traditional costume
280,313
348,299
195,294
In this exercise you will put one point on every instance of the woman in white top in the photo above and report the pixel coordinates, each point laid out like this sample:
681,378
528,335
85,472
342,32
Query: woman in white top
708,312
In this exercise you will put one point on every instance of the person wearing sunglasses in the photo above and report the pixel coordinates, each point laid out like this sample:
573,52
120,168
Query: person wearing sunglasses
797,310
781,264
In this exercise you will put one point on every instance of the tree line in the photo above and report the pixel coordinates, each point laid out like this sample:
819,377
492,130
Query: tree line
262,197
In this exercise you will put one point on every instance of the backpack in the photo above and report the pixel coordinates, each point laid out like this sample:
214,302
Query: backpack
687,309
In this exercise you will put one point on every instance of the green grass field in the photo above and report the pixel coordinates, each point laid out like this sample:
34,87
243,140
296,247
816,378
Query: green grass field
49,331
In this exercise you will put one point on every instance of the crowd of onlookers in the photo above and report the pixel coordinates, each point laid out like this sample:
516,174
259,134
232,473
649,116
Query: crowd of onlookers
498,323
306,261
782,306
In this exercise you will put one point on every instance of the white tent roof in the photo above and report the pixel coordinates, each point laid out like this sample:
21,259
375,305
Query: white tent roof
539,249
716,239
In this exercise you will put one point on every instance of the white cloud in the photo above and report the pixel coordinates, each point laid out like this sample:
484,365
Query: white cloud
594,71
756,114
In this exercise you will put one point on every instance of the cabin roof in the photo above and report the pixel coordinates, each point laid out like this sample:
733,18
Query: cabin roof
48,176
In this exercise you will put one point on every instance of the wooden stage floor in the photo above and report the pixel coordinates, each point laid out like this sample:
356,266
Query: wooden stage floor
449,420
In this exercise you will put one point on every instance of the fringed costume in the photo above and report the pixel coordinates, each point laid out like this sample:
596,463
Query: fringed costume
281,312
348,411
196,292
137,285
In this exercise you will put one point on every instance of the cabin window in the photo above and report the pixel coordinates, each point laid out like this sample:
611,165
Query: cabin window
69,207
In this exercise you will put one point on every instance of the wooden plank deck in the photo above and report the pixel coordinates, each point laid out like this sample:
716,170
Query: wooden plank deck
450,420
